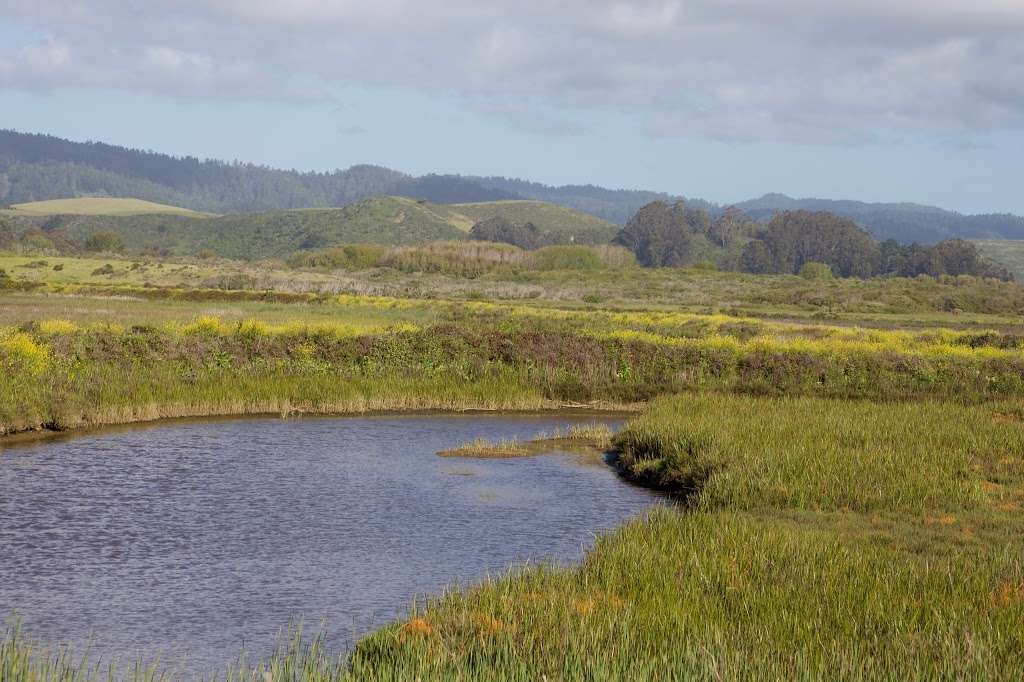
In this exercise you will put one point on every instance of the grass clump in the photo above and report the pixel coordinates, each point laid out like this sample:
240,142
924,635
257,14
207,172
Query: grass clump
483,448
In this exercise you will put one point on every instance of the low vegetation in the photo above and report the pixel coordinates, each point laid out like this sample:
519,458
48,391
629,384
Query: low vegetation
595,436
813,539
819,540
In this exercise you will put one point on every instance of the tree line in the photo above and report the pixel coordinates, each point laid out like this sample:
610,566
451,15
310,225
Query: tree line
669,235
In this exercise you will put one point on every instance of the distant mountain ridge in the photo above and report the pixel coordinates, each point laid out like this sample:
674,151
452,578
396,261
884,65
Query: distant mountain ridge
37,167
904,222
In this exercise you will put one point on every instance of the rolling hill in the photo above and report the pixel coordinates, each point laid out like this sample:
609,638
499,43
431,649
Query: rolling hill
40,167
564,223
99,206
376,220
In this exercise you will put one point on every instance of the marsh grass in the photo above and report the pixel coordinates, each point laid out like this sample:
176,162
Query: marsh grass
819,539
823,539
483,448
64,373
592,436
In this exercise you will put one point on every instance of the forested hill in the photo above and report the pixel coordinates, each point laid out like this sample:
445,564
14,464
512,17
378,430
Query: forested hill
904,222
614,205
40,167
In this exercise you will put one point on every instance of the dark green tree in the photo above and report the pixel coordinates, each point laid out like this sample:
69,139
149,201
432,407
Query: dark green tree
661,235
794,238
498,229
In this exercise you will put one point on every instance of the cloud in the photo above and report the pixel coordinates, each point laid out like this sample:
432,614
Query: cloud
797,70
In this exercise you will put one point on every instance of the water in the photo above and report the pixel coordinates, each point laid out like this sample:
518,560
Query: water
191,541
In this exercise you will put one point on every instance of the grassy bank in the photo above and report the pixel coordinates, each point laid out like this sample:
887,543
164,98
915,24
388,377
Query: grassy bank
59,374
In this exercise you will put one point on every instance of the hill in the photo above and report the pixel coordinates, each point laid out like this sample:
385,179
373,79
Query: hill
613,205
564,223
376,220
41,167
101,206
904,222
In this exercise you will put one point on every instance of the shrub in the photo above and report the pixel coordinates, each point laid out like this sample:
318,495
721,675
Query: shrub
104,241
37,241
20,353
205,325
815,270
347,257
55,327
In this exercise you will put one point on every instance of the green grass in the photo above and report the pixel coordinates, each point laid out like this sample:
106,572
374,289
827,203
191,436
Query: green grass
892,552
564,279
99,206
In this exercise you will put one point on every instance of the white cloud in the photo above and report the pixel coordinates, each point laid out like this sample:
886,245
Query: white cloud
804,70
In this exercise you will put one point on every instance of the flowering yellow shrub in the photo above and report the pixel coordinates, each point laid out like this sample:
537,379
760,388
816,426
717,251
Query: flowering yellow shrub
204,324
19,352
54,327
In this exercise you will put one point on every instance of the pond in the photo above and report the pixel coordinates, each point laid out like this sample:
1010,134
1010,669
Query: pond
193,540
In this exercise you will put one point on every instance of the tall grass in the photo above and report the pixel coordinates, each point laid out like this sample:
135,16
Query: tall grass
64,374
823,540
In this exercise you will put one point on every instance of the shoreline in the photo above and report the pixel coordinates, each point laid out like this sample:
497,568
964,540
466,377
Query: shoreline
43,432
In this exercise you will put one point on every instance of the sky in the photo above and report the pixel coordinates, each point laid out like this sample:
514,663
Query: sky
877,100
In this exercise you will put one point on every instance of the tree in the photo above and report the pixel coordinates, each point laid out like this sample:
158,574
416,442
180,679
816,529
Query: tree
728,227
6,234
498,229
662,235
794,238
104,241
756,258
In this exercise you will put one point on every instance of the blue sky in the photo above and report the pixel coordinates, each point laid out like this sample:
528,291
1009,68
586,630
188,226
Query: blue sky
923,102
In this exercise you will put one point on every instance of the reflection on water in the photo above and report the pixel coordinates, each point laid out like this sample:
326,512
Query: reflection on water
202,538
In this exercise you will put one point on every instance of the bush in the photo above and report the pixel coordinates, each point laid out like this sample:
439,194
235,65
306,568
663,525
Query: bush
347,257
815,270
104,241
36,242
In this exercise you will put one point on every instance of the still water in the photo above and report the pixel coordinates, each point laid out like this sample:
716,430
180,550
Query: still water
191,541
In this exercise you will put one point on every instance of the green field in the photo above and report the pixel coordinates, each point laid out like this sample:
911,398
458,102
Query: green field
845,457
99,206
